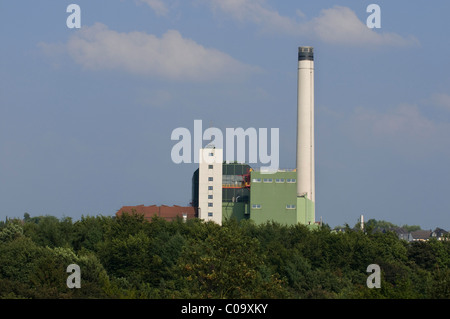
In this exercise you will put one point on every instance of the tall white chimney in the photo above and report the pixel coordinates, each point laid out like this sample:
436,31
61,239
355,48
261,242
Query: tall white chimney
305,136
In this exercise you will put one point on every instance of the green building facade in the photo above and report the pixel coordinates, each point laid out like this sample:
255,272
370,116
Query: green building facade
261,197
273,197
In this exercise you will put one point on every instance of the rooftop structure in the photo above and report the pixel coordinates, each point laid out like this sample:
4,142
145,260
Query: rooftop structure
168,213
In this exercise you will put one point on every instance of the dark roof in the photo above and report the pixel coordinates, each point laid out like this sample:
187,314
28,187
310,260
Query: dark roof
167,212
440,231
400,231
421,234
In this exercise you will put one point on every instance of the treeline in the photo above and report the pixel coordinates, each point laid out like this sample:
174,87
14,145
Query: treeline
129,257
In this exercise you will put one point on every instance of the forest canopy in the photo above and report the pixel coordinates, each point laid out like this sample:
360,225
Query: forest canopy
130,257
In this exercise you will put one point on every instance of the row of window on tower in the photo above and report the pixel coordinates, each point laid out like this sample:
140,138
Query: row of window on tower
258,206
210,179
277,180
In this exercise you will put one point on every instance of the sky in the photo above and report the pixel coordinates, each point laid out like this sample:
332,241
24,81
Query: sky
86,114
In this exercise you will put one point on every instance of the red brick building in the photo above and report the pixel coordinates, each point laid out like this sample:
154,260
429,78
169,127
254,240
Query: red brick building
169,213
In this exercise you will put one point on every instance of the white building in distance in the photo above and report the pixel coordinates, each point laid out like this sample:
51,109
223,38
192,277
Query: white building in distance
210,184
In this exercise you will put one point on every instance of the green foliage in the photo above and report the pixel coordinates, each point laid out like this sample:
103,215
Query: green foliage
227,264
10,232
411,228
90,231
384,225
379,224
49,231
129,257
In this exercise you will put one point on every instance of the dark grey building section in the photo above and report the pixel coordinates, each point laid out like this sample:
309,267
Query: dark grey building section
305,53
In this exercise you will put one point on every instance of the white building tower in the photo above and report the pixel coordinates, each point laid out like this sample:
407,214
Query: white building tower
210,184
305,137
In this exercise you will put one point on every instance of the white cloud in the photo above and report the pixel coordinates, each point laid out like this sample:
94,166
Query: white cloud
340,25
171,56
256,11
403,121
408,129
441,100
157,5
404,131
337,25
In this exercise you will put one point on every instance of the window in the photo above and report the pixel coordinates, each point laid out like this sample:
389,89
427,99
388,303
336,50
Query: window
210,204
210,166
210,196
279,180
210,179
256,180
291,180
210,214
267,180
256,206
210,154
290,206
210,188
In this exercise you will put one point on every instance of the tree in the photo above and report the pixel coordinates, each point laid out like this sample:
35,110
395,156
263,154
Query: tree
127,257
226,264
422,255
411,228
50,231
90,231
11,232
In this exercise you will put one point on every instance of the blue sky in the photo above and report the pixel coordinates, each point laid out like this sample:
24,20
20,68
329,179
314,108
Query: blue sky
86,114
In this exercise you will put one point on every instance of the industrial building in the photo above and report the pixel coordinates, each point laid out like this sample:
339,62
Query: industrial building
284,196
223,191
248,193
